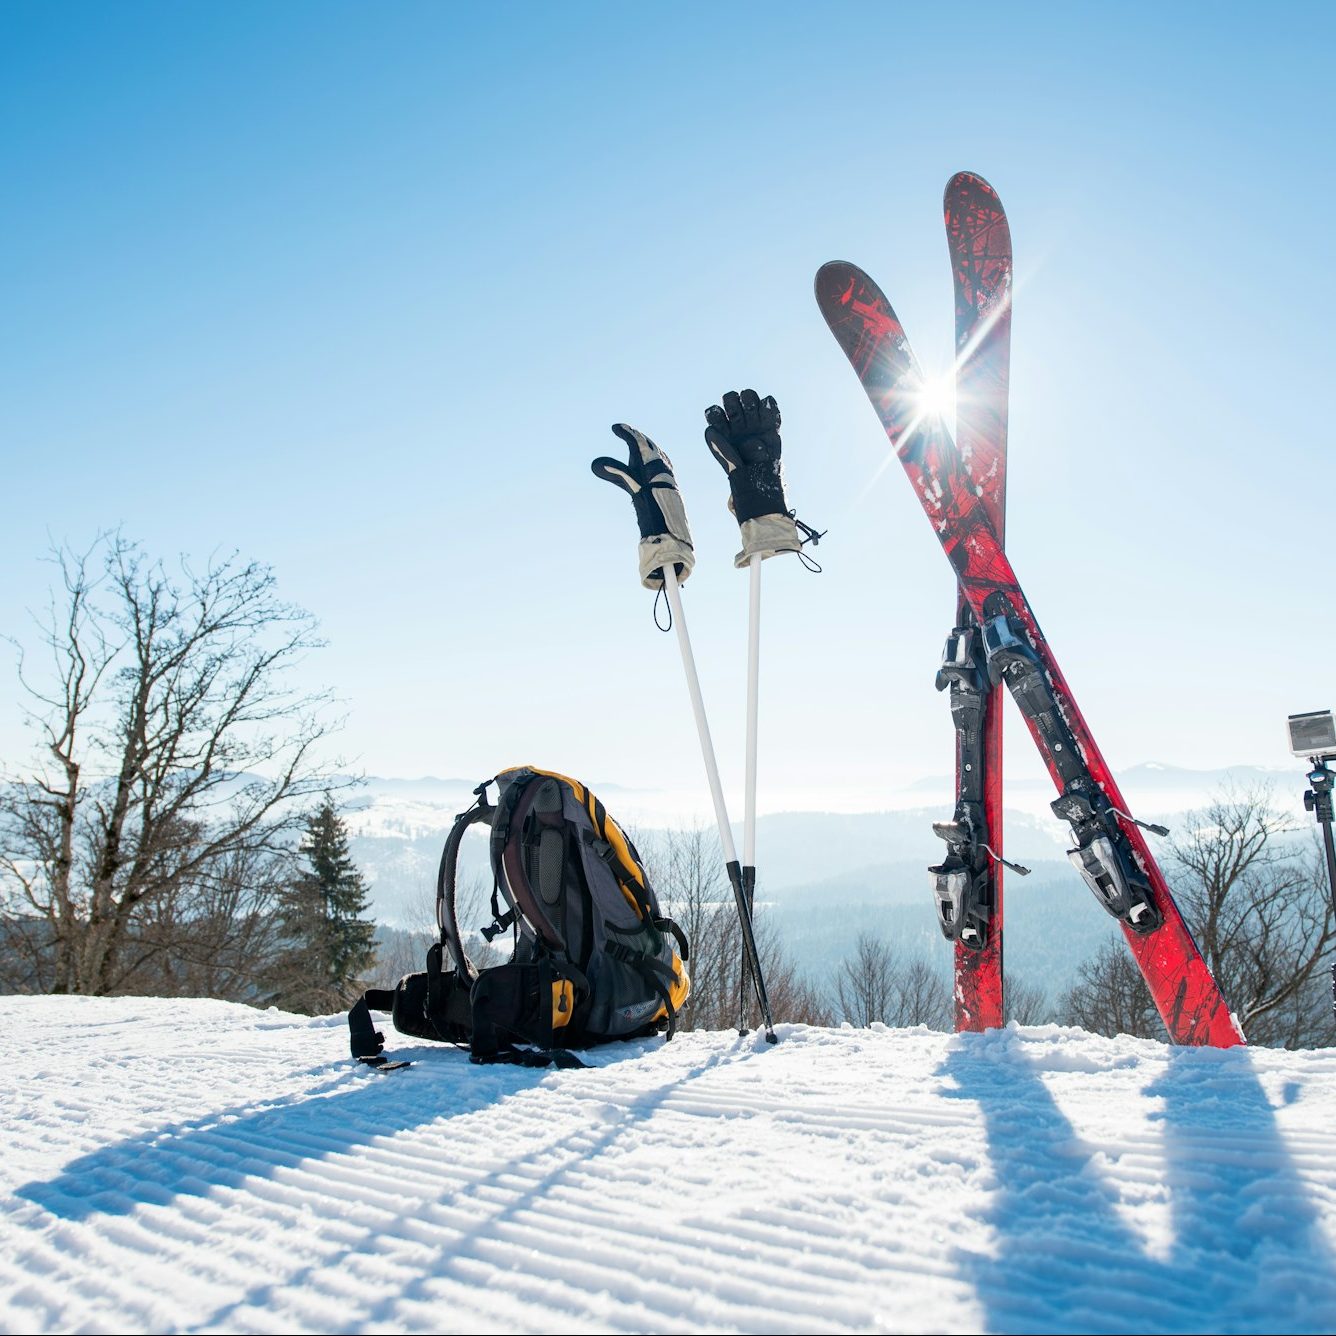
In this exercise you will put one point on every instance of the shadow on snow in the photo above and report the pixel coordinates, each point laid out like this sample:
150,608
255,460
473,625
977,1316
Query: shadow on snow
1245,1253
230,1147
241,1147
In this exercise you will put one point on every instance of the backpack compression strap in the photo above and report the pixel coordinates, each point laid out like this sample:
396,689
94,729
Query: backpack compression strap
521,1003
367,1042
434,1005
659,977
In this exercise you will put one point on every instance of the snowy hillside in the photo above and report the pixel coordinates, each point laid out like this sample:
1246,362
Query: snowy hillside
202,1166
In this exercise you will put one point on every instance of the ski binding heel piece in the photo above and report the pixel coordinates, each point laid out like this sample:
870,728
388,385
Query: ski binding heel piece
1001,643
962,661
1103,868
960,914
1104,861
960,884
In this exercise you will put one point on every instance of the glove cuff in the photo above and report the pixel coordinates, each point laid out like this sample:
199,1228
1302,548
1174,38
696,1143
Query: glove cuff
767,536
657,551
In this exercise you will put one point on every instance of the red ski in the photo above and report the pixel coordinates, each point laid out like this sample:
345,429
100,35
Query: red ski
979,242
1110,854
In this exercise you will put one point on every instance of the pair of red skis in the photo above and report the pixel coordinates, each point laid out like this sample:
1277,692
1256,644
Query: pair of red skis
997,642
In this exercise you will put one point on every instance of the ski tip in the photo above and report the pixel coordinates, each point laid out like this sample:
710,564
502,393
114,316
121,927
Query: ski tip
838,281
843,288
832,274
967,181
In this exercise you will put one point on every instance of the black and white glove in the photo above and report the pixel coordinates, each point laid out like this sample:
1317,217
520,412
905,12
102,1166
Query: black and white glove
647,475
744,436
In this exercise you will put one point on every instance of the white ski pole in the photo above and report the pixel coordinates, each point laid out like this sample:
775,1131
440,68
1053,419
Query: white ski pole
753,679
749,792
735,875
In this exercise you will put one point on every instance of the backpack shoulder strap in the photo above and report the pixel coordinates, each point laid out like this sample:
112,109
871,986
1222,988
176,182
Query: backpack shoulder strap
609,842
447,919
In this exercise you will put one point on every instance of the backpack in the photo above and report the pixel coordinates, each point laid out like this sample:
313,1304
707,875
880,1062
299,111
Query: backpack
594,957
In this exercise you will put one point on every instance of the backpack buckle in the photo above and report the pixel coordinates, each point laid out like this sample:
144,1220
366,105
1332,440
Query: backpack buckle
503,922
600,846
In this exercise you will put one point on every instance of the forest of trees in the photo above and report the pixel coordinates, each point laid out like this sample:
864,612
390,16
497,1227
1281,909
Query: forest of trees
177,833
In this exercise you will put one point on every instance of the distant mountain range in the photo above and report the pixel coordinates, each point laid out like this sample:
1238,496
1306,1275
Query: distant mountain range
825,876
1154,777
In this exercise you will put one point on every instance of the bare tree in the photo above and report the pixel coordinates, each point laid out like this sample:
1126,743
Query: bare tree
1027,1003
794,995
878,984
687,869
924,998
1110,996
1260,910
172,748
217,936
866,984
403,950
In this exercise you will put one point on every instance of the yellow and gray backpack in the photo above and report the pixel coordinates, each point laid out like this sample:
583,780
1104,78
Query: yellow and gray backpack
594,957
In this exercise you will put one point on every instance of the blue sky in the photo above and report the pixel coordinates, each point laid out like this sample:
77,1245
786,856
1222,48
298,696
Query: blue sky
358,290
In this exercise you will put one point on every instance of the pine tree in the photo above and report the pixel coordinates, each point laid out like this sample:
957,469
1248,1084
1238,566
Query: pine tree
331,946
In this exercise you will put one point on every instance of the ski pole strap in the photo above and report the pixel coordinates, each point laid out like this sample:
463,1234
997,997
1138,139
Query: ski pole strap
810,535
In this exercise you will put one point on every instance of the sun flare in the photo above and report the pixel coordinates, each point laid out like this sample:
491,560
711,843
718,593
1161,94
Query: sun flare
937,397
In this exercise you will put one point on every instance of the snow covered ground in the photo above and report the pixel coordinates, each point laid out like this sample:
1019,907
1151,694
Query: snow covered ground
202,1166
